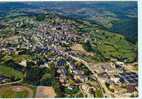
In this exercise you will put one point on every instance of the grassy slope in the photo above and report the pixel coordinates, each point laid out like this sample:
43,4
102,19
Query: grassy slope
110,45
10,72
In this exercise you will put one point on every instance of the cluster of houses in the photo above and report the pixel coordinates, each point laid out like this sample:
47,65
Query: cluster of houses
46,34
57,40
43,34
69,74
114,74
89,91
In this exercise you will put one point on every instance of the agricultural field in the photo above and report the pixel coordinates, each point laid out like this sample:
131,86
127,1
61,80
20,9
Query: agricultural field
15,91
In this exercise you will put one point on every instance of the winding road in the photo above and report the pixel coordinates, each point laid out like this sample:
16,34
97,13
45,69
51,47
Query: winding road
86,64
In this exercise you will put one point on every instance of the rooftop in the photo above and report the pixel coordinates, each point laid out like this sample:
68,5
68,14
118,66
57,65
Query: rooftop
129,77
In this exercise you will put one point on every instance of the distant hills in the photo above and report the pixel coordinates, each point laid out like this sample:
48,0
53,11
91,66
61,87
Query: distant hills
119,17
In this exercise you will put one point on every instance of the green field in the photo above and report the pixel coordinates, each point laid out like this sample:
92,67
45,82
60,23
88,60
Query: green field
16,58
99,93
10,72
109,45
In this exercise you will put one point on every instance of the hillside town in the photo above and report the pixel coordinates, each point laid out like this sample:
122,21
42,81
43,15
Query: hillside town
37,52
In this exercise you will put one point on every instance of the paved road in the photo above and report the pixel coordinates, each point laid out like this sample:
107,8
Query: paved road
94,74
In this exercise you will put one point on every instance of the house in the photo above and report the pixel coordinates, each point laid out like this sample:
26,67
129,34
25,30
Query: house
80,78
44,65
23,63
115,79
130,79
119,64
78,72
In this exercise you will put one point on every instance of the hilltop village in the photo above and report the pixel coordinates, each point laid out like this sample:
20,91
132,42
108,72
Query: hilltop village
47,55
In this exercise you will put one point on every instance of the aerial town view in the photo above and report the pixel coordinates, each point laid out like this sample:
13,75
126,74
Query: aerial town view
68,49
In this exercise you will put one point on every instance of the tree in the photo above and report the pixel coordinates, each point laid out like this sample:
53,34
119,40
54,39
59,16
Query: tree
34,74
46,80
40,17
88,46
